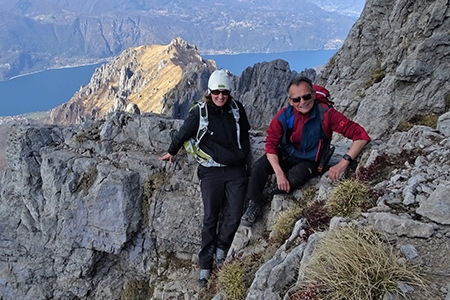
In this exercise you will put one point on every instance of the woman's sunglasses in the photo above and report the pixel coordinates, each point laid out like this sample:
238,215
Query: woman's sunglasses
298,99
217,92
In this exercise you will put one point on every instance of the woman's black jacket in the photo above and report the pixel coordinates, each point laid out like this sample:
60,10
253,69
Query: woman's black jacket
220,141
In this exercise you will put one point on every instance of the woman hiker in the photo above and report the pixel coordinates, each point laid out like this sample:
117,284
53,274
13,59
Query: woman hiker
216,131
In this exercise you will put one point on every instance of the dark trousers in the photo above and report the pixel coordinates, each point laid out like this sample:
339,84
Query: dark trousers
298,173
221,187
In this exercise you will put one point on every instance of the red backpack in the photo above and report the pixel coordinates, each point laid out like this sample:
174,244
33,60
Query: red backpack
322,95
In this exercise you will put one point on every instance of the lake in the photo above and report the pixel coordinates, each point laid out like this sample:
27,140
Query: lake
298,60
48,89
42,91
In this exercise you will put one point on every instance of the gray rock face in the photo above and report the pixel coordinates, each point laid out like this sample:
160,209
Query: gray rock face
395,54
71,206
262,90
78,220
437,206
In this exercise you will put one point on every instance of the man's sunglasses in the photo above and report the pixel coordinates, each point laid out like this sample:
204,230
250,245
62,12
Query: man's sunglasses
217,92
298,99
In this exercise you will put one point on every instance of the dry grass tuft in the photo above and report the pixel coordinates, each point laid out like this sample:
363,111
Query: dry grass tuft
285,223
137,290
424,120
231,281
347,198
356,264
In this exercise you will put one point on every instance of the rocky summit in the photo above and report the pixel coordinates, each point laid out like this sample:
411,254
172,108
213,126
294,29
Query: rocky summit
87,211
134,81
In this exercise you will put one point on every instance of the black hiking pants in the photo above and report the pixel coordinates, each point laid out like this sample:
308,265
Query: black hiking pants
222,188
298,173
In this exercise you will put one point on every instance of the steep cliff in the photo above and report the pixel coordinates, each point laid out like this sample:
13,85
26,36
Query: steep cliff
393,65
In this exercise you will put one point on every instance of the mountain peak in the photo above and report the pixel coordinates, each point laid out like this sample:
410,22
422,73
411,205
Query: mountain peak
140,75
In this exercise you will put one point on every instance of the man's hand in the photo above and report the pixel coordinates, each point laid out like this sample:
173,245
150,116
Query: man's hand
336,170
283,182
167,156
353,152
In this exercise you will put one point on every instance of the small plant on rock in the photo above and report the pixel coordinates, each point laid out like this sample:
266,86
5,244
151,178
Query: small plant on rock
152,183
308,292
87,180
380,169
447,101
424,120
317,218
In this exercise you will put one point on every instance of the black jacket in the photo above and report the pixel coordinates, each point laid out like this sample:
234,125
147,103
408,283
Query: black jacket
220,142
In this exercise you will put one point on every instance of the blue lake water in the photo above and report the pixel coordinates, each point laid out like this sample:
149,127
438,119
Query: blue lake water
42,91
298,60
48,89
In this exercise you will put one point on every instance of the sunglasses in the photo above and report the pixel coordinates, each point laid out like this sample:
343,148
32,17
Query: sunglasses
217,92
298,99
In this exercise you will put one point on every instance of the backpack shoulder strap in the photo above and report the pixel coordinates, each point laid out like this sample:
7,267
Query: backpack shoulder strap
235,110
203,121
324,119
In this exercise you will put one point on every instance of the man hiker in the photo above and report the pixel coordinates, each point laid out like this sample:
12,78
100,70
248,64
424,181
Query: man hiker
297,140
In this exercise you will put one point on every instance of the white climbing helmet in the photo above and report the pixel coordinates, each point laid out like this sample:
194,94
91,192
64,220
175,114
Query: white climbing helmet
219,79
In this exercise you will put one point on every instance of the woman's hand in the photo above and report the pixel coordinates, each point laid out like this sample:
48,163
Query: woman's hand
167,156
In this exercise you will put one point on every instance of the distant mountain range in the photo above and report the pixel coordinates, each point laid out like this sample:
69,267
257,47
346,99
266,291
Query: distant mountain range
43,34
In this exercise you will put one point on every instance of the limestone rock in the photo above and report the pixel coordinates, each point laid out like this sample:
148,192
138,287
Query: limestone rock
437,206
395,53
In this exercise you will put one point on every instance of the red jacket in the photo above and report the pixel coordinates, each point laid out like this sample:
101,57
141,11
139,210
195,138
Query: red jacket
336,120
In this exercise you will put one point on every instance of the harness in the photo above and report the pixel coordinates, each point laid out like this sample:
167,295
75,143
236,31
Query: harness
192,145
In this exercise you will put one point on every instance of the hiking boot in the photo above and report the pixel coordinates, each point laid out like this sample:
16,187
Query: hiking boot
203,277
221,255
250,215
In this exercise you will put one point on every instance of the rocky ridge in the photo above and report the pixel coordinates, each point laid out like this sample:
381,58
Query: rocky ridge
135,81
78,220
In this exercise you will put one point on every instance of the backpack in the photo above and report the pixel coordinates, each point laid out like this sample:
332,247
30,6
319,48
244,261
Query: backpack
192,145
322,95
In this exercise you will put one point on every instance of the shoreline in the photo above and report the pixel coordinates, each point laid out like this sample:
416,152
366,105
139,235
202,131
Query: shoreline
105,60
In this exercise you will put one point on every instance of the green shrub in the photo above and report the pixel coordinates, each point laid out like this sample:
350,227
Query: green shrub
356,264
